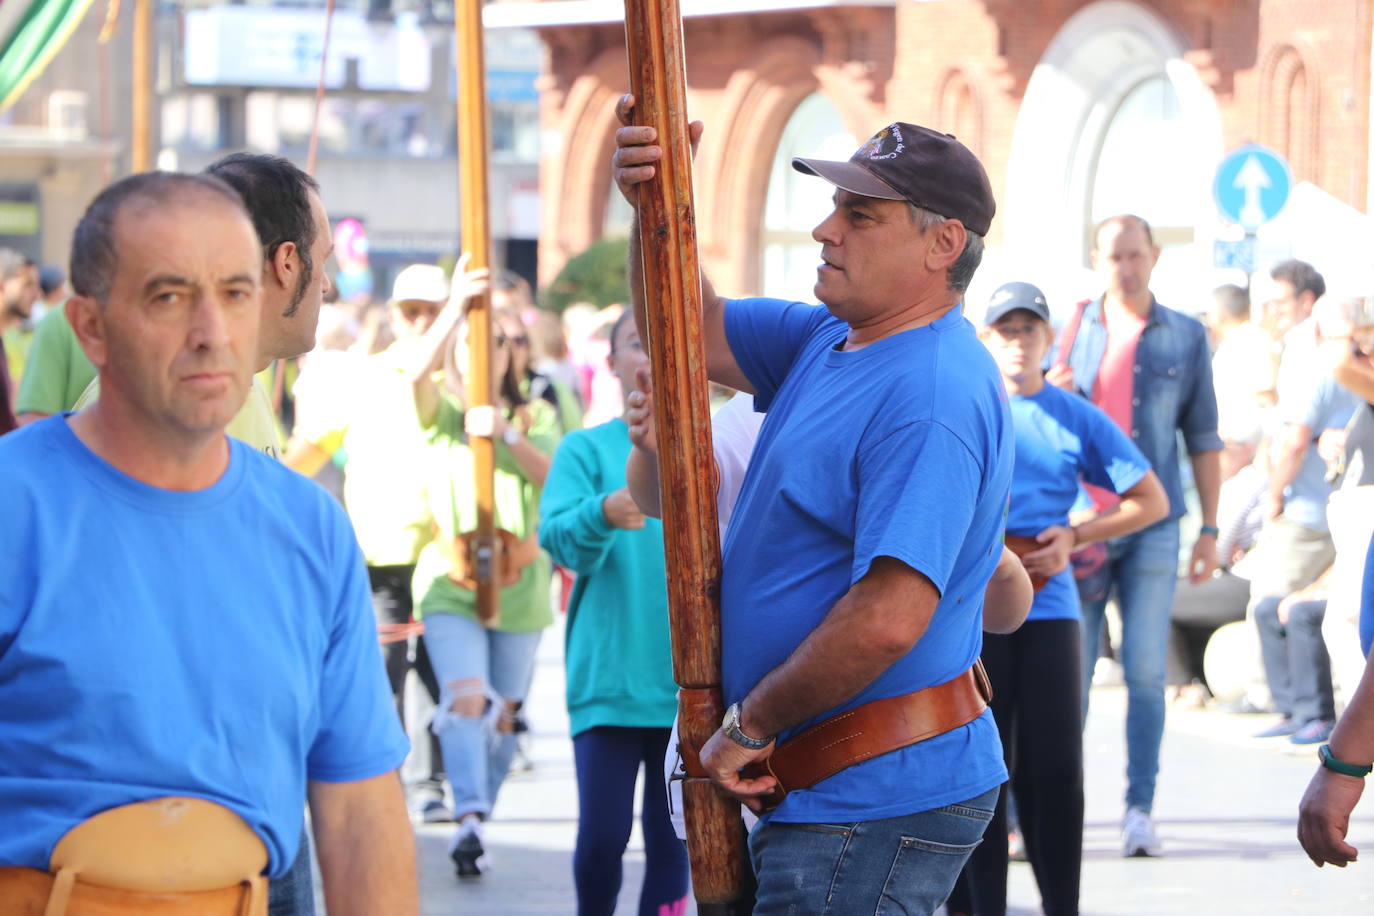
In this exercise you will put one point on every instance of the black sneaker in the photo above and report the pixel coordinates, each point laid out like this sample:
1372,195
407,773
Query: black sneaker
469,858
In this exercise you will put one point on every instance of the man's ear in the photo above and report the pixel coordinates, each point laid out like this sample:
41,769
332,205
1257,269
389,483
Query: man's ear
87,318
950,237
283,266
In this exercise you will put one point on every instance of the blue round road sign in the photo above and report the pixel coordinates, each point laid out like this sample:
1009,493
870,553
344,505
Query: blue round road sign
1252,185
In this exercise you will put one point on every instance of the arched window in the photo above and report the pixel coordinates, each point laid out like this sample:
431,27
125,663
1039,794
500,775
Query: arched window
796,203
1289,118
959,111
1144,150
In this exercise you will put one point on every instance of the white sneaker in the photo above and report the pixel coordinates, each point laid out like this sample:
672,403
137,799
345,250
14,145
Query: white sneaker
1138,834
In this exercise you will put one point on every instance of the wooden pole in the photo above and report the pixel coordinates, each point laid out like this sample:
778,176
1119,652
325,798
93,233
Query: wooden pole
672,285
314,149
476,231
141,150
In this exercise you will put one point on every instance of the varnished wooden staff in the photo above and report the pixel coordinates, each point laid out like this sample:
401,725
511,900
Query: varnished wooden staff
672,292
312,152
484,547
141,143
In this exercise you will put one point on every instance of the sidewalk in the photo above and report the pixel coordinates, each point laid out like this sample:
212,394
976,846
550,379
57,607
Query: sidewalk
1226,809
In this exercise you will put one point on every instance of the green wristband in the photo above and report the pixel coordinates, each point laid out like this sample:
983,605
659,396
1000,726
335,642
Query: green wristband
1213,530
1340,766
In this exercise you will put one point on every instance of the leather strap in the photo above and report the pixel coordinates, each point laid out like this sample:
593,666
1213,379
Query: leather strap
512,556
1021,546
865,732
27,892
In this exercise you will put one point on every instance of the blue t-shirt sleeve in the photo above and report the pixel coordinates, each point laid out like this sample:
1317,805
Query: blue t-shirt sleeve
1109,459
360,734
918,489
765,337
1367,604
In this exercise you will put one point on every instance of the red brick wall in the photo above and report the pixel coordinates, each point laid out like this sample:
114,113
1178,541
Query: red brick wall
1293,74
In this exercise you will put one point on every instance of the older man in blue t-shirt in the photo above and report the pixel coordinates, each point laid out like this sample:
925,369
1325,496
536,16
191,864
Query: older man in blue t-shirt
869,522
146,559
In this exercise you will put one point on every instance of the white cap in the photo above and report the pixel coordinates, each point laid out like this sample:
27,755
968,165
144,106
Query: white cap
423,282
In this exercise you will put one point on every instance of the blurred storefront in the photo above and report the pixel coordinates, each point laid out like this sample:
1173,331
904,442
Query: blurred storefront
1079,110
242,76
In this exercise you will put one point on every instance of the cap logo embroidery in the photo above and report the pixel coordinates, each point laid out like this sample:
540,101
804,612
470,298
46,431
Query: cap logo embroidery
878,148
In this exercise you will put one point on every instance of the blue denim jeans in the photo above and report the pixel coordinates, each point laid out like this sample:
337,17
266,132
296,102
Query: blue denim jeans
901,865
476,755
1141,569
293,894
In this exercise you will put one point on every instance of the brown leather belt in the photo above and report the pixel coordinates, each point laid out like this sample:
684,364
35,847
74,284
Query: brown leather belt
25,892
1021,546
865,732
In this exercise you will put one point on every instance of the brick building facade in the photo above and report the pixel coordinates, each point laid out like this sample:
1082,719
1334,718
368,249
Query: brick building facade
1078,109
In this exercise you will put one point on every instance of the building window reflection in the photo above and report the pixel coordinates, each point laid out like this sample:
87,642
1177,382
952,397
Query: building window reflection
797,203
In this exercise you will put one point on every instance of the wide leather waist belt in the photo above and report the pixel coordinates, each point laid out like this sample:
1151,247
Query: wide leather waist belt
26,892
1021,546
865,732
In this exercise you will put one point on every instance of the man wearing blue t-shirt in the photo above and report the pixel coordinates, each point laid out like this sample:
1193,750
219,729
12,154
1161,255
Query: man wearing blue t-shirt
146,559
868,525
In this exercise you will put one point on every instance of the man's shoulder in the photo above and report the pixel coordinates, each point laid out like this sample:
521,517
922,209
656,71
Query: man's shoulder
26,454
273,483
1179,320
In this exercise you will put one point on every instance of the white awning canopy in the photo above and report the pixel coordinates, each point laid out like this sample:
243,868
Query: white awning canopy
592,12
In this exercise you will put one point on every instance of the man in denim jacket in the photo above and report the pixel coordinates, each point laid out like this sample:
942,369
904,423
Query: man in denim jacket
1150,369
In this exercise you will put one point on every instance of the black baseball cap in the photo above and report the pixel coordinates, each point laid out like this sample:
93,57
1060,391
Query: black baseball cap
921,166
1016,295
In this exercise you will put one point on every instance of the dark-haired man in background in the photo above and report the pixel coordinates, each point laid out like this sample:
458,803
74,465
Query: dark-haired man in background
1150,369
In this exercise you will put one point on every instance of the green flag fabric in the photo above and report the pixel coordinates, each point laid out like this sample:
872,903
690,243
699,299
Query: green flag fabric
31,33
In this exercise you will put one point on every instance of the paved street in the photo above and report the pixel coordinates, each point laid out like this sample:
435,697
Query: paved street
1226,808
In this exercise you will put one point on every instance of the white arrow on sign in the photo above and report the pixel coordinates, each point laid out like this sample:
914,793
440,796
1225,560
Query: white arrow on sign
1252,179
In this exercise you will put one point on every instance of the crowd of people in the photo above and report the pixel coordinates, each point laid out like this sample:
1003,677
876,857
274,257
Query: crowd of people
936,517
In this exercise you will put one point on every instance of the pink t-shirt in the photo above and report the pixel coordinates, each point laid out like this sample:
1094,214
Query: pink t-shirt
1115,389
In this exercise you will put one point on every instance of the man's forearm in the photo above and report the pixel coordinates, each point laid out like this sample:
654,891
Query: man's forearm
641,478
877,621
365,846
1207,477
1288,458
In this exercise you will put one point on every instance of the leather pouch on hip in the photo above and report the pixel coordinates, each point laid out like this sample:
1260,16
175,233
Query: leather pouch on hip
512,556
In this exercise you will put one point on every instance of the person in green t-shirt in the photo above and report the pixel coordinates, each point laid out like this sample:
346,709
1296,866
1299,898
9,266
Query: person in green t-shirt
484,666
57,370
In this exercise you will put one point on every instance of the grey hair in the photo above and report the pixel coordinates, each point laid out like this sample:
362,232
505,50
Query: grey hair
11,262
962,270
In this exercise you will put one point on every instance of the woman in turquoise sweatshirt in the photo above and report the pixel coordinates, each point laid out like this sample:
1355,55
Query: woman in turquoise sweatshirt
621,695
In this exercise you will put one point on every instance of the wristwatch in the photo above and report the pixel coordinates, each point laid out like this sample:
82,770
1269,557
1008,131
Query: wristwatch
730,725
1340,766
511,435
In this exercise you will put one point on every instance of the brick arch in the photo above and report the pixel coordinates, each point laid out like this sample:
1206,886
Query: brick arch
959,109
756,106
1288,108
576,178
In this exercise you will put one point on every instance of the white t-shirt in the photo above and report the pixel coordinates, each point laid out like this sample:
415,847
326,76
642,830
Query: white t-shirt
1242,368
734,430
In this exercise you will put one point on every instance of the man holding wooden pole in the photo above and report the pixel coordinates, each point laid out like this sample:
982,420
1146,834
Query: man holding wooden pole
868,525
